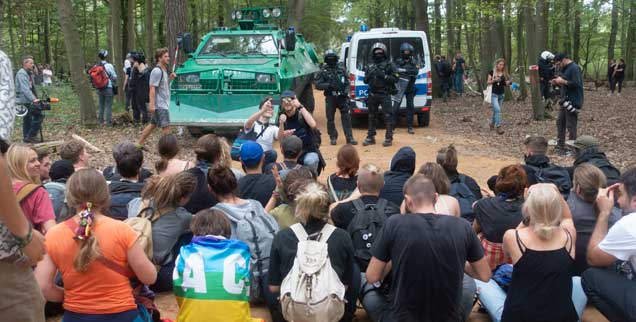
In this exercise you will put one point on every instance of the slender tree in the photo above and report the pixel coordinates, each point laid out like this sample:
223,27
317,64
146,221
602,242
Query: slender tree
613,30
576,44
176,22
450,32
132,5
149,28
420,9
630,56
437,23
88,112
116,55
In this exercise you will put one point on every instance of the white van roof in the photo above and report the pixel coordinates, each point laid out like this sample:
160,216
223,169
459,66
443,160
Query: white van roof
383,29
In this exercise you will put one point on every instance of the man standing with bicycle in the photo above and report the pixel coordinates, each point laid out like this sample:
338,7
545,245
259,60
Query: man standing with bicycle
27,97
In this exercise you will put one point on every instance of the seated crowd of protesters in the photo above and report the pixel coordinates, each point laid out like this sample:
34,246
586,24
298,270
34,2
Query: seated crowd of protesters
428,245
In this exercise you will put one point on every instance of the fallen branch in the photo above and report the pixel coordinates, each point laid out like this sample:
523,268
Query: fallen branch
48,145
90,146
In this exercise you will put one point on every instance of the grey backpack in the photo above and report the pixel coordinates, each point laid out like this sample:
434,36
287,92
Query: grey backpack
56,192
257,230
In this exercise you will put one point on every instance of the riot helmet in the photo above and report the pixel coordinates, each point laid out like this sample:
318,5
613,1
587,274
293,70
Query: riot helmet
546,55
102,54
406,50
331,58
378,50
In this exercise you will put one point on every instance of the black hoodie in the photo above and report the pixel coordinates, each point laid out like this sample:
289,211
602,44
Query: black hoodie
402,168
121,193
597,158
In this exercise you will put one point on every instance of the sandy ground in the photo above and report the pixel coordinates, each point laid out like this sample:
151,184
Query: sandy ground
475,159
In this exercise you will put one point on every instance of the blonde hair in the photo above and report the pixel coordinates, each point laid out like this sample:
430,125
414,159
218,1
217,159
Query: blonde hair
589,180
370,178
436,173
84,186
166,192
544,209
225,158
312,202
505,72
17,160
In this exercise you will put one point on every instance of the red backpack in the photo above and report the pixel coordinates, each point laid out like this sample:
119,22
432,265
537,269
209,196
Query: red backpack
99,77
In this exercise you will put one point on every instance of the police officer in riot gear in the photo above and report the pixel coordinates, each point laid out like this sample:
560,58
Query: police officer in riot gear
408,70
381,77
332,80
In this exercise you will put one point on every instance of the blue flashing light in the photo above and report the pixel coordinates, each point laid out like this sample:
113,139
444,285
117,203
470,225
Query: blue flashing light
364,27
348,38
291,29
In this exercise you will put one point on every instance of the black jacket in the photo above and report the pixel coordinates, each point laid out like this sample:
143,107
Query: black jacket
332,80
381,78
538,161
407,69
573,91
121,193
402,168
470,182
546,70
597,158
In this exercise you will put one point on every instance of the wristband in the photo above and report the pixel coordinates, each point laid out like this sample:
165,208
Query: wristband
24,241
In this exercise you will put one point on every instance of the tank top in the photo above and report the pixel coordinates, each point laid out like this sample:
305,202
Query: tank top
541,286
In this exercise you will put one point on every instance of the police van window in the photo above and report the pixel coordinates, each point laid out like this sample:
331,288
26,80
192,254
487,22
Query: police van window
241,45
346,56
364,55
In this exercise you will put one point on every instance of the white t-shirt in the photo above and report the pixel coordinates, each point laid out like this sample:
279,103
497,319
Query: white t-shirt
620,240
267,139
127,64
47,74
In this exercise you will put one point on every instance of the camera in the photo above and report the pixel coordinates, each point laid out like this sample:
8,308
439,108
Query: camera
569,106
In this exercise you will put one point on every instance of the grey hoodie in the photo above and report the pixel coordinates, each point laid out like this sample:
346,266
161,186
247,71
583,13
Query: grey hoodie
236,212
23,87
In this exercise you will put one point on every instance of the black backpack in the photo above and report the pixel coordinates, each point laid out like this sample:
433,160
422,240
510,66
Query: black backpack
556,175
365,227
141,83
466,198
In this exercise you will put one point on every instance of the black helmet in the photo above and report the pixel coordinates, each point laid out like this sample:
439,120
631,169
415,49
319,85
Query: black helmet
330,53
406,47
378,45
103,53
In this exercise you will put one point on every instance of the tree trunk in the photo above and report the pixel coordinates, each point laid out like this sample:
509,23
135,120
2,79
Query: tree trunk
88,112
630,57
538,110
176,22
450,32
149,29
2,22
458,24
613,30
577,32
569,17
437,22
195,20
497,31
47,36
11,34
420,10
23,35
161,27
556,40
132,5
95,28
521,55
541,25
295,13
508,35
485,44
116,55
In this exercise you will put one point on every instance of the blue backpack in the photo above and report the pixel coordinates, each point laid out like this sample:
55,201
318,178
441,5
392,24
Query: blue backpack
243,137
465,196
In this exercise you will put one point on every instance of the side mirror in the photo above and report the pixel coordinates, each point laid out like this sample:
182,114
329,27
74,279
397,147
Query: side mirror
290,40
184,40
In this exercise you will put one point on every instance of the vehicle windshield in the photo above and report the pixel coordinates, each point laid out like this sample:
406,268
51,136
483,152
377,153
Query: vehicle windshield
364,55
240,45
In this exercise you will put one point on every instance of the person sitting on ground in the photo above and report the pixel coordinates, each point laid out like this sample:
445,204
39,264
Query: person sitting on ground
255,185
401,169
291,147
266,133
208,151
95,256
423,241
446,204
611,253
542,249
24,169
295,119
168,148
111,173
370,182
342,183
170,222
129,159
75,151
225,159
44,158
223,185
282,204
312,204
588,181
447,158
60,171
496,215
588,150
218,254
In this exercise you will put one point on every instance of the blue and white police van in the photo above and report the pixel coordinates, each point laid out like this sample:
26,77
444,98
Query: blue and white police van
356,54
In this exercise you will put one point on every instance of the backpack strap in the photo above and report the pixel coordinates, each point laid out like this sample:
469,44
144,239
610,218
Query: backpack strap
326,232
26,191
265,125
333,193
299,231
381,205
359,205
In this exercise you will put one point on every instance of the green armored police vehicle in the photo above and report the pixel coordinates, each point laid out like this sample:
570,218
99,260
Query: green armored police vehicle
224,79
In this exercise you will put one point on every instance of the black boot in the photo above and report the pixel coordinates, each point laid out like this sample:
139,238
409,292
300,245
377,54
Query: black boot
352,141
369,141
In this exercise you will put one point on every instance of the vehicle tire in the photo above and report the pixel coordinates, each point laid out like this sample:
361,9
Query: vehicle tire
307,98
423,119
195,131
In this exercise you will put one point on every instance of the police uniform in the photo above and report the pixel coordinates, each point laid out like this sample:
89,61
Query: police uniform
407,69
332,80
381,77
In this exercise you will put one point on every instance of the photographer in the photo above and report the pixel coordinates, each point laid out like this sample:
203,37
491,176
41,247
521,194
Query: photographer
546,74
332,80
381,77
571,101
138,86
408,70
26,96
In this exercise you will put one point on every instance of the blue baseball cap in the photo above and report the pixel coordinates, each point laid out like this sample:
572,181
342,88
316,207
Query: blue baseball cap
287,94
251,153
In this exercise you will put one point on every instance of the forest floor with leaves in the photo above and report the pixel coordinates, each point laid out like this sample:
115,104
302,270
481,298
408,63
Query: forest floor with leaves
463,122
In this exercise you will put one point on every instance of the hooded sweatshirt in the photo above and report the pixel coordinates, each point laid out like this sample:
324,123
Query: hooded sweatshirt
235,213
402,168
597,158
121,193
